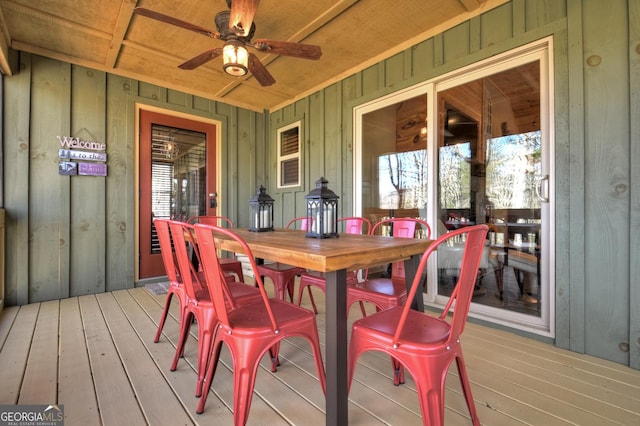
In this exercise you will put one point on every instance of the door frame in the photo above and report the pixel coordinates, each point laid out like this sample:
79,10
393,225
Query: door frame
139,107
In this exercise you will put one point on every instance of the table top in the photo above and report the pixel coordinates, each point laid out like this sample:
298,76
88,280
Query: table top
348,251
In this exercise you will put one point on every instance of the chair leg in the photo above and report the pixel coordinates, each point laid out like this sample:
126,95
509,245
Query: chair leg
185,327
163,318
210,371
303,285
244,379
204,343
466,389
364,312
398,372
430,388
273,354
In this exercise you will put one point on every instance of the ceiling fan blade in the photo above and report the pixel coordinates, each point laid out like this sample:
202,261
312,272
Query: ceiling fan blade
241,17
297,50
201,59
259,71
174,21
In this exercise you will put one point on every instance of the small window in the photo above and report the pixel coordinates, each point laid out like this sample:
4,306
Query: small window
289,156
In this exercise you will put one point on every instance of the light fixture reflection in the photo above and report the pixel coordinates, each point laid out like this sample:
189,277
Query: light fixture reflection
235,58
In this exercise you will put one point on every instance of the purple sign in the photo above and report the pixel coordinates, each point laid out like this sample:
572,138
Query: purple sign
92,169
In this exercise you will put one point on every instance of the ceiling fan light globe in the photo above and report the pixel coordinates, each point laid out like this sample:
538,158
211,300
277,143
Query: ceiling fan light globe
235,70
235,59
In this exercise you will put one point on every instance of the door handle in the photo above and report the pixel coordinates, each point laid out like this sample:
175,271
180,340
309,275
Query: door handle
542,188
213,200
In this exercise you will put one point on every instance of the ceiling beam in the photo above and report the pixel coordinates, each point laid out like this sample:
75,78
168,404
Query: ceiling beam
471,4
120,30
5,68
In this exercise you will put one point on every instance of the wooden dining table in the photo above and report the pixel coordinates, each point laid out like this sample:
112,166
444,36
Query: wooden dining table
334,257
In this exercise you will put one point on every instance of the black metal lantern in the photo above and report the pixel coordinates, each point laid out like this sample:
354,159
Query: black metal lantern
322,211
261,211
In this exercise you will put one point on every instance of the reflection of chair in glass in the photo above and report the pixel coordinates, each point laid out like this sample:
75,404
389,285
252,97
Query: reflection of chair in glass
199,305
426,345
229,265
525,261
175,282
387,292
249,330
523,258
351,225
282,275
450,260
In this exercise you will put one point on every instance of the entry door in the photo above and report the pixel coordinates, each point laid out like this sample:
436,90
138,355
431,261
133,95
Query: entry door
177,178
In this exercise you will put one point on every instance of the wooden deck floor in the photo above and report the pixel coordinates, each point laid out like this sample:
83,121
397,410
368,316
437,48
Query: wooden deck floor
95,355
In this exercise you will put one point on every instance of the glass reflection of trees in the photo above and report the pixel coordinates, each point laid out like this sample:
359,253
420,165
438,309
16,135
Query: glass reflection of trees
513,162
403,180
455,176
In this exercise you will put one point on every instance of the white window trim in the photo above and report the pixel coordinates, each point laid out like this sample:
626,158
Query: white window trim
282,158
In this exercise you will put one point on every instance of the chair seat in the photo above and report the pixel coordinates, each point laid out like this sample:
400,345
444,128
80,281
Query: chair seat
251,318
384,293
419,328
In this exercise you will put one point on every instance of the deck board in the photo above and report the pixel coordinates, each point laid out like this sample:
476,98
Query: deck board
98,352
75,382
153,393
115,396
40,381
15,351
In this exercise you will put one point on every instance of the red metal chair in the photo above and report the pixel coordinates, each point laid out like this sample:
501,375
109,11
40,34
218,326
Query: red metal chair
282,275
175,283
199,305
229,264
385,293
426,345
351,225
249,330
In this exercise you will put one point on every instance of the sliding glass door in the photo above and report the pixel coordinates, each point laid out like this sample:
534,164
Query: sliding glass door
472,147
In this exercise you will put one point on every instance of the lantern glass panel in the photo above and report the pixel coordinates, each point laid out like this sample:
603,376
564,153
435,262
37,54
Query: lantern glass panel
261,211
322,211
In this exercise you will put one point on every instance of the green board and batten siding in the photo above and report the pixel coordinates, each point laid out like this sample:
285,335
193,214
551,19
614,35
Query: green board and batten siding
596,153
74,235
58,245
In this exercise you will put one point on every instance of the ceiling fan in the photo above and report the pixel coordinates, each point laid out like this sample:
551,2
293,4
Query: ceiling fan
236,28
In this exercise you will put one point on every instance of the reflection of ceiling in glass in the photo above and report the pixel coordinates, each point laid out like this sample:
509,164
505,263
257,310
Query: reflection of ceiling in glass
168,143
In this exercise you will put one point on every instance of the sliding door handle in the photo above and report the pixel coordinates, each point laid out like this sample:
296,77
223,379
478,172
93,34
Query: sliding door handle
542,188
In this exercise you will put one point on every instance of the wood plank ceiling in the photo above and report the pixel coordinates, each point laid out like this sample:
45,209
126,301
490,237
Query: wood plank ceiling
107,35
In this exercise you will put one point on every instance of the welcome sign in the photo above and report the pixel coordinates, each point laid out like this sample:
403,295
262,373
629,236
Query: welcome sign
74,154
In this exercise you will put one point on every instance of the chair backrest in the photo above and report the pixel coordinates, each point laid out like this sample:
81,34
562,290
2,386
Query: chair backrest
212,220
218,286
183,235
168,257
403,227
300,222
463,290
355,225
